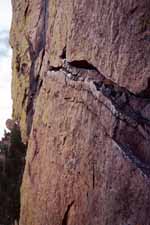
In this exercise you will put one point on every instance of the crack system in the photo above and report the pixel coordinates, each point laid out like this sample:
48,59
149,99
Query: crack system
132,129
35,82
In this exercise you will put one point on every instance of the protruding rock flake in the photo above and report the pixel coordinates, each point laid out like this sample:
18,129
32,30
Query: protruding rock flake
81,97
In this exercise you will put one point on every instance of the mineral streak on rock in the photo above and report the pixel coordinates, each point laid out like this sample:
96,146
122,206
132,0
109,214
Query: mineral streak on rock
81,94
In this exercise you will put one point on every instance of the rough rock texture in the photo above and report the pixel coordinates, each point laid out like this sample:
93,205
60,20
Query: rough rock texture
81,95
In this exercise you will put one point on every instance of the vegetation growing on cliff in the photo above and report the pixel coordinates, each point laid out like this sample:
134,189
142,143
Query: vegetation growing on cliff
11,170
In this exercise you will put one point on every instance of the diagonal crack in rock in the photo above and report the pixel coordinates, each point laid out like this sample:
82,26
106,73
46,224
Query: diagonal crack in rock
132,130
66,215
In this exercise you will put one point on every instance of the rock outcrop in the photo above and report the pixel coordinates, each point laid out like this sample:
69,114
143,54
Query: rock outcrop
81,91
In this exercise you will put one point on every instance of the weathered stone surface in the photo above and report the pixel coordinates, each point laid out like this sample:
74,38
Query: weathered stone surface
81,95
111,35
79,169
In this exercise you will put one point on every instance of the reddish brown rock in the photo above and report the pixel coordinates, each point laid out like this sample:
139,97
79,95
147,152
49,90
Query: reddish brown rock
81,94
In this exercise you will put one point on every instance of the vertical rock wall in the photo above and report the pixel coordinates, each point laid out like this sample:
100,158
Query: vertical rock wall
81,92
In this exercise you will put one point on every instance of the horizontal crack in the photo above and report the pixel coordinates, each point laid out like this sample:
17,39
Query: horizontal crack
120,97
82,64
74,70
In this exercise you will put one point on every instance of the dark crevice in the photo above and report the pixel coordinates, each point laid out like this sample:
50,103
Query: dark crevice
41,63
36,152
26,11
65,218
31,49
93,175
34,78
63,55
24,97
18,62
40,84
74,68
82,64
55,69
133,10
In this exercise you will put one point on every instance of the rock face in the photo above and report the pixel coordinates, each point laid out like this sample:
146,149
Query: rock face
81,93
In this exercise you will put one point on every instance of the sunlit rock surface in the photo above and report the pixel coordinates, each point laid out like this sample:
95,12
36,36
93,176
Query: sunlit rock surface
81,92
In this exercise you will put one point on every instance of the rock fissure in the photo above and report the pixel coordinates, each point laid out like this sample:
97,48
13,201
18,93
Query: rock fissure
93,175
24,97
74,69
35,82
36,150
26,11
128,111
63,55
81,64
66,215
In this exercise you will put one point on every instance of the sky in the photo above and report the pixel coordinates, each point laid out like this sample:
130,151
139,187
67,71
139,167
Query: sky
5,64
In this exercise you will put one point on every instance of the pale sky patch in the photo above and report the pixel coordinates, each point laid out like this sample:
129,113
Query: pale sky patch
5,64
